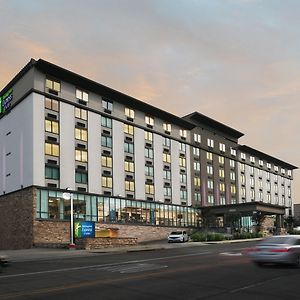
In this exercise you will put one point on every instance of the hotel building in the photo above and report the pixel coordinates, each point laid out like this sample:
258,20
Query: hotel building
130,166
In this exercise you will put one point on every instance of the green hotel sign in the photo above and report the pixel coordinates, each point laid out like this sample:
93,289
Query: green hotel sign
5,101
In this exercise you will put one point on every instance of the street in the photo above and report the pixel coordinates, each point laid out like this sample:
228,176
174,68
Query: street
217,271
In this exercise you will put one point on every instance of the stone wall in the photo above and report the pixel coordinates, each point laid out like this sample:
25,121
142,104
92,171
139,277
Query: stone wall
100,243
16,217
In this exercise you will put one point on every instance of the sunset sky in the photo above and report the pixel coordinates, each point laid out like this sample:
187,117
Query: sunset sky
237,61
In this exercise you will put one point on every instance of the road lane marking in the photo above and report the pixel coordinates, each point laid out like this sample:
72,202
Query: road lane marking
231,253
101,265
134,268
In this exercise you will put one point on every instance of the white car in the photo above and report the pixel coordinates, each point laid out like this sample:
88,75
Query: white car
178,236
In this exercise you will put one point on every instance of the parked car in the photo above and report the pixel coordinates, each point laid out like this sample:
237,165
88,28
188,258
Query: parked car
178,236
281,249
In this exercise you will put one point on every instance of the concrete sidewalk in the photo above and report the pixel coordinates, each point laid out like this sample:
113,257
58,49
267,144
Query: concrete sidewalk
34,254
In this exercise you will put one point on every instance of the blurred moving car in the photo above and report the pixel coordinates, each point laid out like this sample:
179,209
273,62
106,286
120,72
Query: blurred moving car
281,249
178,236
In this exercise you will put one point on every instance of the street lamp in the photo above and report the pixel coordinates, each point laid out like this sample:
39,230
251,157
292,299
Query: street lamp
69,196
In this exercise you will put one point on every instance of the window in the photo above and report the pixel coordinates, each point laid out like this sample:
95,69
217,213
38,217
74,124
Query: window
242,167
252,194
183,178
149,120
167,191
129,166
196,166
222,147
197,197
221,160
106,122
106,161
149,171
252,159
183,194
276,168
290,173
107,105
167,174
107,181
210,143
282,171
197,181
243,192
52,149
268,175
106,141
129,113
261,162
232,175
232,163
148,136
232,189
222,173
81,177
148,152
128,147
268,165
210,184
81,134
209,156
260,173
251,170
82,95
166,157
53,85
260,183
260,196
232,151
182,162
210,199
51,173
268,198
222,200
81,155
182,147
210,170
197,138
51,104
268,186
196,151
80,113
243,156
129,186
128,129
243,180
167,127
51,126
222,187
167,142
182,133
251,181
149,189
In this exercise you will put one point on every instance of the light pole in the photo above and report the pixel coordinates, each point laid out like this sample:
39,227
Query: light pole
69,196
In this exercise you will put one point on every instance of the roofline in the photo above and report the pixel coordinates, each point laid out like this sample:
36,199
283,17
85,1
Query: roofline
108,92
266,156
198,117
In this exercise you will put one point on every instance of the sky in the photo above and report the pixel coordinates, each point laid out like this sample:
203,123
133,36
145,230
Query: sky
236,61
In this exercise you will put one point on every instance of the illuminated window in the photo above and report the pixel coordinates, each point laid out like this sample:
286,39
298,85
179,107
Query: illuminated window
261,162
197,166
209,156
222,173
222,187
197,138
197,196
149,189
182,162
182,133
51,104
166,157
148,136
222,147
167,127
275,168
149,120
51,149
106,181
210,170
232,151
210,184
53,85
106,161
129,113
222,200
82,95
81,155
210,199
242,167
232,175
129,166
81,134
51,126
252,159
290,173
232,163
232,189
243,192
221,160
243,156
196,151
268,165
210,143
197,181
80,113
128,129
129,186
182,147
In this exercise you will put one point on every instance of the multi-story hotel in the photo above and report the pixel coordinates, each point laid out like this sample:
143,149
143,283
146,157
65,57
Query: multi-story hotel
130,166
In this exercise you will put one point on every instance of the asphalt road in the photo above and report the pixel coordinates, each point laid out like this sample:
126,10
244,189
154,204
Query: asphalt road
206,272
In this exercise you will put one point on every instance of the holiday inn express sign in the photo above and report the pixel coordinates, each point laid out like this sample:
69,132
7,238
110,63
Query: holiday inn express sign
5,101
